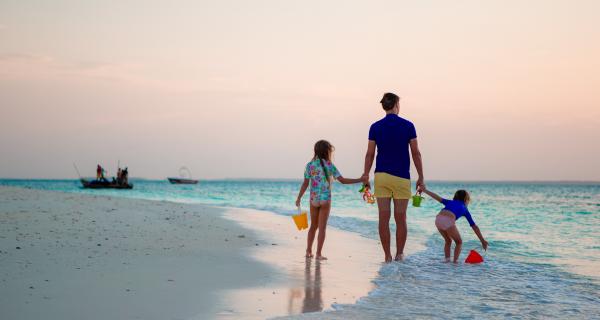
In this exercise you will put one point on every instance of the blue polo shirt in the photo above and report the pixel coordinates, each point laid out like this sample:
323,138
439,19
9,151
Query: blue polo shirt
392,135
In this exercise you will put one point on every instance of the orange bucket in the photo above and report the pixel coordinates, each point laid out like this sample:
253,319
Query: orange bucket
301,219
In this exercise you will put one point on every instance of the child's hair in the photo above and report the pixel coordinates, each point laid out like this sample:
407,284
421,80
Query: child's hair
462,195
389,101
323,150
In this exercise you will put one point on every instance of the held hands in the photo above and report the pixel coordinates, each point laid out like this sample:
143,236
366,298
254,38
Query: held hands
365,179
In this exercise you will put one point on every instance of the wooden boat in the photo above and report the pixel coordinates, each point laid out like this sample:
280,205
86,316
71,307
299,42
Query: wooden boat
182,181
104,184
185,177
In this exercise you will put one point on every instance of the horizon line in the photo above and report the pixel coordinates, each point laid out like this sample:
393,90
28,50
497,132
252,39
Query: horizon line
299,179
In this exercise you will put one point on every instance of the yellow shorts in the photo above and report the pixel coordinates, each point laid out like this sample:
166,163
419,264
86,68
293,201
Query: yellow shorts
389,186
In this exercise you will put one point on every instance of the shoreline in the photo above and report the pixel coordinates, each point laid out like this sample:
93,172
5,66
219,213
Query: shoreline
99,257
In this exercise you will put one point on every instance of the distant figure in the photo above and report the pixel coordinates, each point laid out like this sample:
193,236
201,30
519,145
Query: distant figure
319,172
445,221
100,173
125,176
391,137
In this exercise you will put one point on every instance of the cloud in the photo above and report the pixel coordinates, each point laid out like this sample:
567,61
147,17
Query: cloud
24,57
34,66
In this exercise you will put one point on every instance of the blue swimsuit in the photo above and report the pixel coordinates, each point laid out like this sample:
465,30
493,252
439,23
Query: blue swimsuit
459,209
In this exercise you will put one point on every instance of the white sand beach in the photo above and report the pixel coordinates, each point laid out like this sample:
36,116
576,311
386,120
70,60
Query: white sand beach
69,256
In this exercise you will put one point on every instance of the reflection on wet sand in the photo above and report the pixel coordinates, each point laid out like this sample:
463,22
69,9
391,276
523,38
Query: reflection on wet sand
298,285
312,299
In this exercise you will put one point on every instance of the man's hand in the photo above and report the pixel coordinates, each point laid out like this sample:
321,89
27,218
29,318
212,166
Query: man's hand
421,185
365,178
484,244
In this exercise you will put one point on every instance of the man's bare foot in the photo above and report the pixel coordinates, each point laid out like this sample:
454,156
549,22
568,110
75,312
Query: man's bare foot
309,255
447,260
399,257
320,257
388,259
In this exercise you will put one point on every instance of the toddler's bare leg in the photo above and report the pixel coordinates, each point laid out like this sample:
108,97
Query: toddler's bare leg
455,235
447,244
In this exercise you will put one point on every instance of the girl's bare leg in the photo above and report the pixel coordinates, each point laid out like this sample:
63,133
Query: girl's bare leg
455,235
312,230
447,244
323,217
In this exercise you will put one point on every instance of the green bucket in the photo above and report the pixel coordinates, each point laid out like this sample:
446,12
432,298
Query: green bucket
416,199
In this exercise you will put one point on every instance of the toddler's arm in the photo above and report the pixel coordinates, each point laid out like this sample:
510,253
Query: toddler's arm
484,243
433,195
302,190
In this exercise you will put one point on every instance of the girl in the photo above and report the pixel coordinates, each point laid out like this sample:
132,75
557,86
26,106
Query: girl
445,221
319,172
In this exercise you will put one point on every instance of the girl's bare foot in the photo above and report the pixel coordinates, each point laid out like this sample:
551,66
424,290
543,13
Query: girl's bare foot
399,257
447,260
388,259
320,257
309,254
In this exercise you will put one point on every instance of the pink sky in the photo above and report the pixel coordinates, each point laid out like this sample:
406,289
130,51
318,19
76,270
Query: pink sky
498,90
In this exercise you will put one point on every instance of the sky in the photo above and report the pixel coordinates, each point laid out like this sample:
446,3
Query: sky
497,90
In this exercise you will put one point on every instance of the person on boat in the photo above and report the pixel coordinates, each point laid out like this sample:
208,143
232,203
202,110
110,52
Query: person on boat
119,176
125,176
100,174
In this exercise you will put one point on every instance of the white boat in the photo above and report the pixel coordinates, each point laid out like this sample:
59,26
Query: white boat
185,177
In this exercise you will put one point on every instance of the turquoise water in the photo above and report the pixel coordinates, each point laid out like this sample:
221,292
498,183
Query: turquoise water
544,257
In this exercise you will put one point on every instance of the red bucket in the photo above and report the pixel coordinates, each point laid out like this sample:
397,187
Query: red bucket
474,257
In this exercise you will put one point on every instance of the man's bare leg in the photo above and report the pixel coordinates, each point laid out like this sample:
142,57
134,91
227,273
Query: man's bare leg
400,207
385,213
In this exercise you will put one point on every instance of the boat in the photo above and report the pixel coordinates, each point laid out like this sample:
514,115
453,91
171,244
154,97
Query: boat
182,181
185,177
104,184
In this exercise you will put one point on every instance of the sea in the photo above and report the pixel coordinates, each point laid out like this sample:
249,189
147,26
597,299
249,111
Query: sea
543,259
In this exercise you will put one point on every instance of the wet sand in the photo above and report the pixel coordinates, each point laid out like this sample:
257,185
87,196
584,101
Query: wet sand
303,285
71,256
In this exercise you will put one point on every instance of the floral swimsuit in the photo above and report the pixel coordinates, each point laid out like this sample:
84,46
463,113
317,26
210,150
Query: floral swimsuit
320,189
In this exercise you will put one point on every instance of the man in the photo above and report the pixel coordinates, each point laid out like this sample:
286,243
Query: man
392,136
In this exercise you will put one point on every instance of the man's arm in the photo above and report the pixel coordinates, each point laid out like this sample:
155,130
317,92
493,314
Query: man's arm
369,157
416,156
